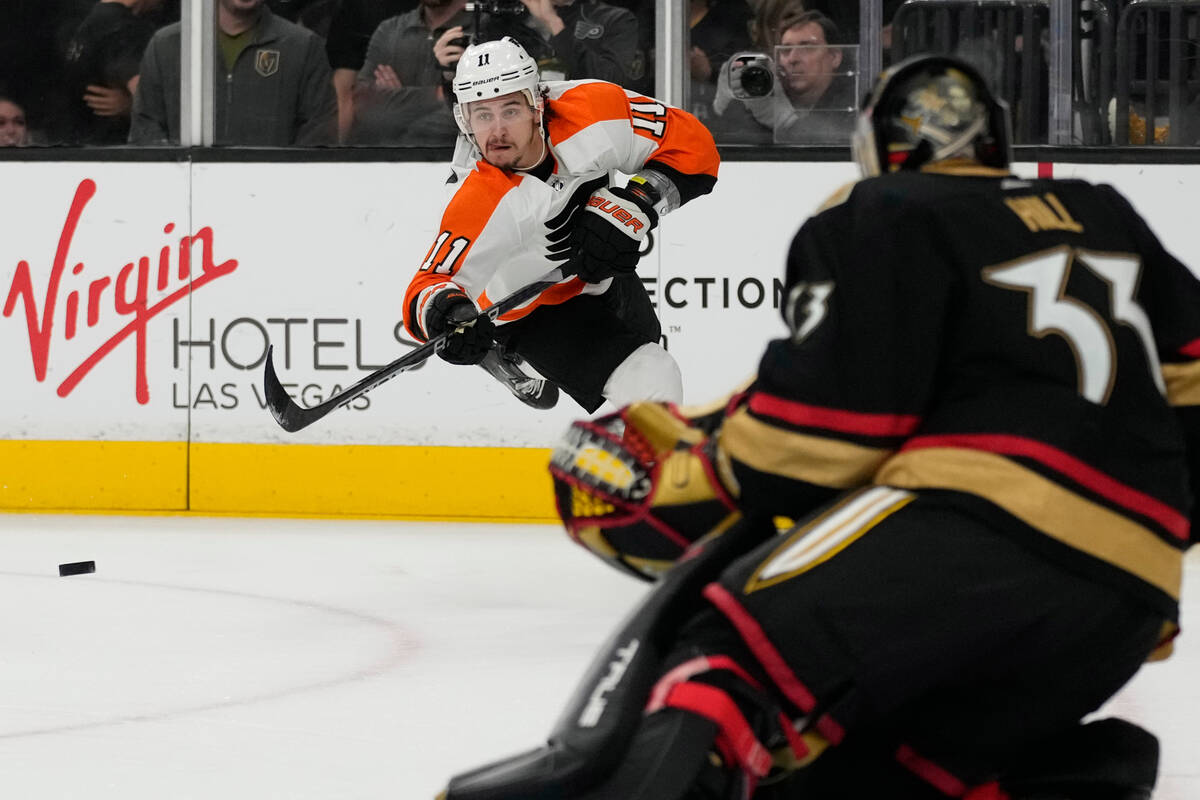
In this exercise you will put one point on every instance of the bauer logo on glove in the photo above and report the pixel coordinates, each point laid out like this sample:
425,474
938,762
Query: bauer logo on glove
607,239
638,487
620,214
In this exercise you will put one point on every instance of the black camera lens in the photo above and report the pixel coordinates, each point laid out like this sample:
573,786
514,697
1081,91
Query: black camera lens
757,80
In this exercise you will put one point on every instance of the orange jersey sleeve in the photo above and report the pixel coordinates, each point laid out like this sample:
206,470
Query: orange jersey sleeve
465,217
663,134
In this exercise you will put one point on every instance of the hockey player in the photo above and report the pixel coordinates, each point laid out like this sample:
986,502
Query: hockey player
535,188
985,420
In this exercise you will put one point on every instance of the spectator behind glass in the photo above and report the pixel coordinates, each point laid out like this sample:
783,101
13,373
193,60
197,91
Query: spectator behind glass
845,16
13,130
719,28
33,42
814,96
765,28
350,32
273,85
585,39
101,69
399,95
316,15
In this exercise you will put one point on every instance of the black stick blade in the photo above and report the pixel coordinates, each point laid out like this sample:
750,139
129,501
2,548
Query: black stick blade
290,416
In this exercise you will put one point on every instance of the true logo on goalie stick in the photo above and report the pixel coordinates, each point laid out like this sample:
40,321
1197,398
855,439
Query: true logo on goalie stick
597,701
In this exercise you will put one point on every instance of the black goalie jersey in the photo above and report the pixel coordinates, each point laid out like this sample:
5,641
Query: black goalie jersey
1028,342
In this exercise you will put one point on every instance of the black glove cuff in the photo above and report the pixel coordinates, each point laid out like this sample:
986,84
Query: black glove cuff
447,308
645,195
641,197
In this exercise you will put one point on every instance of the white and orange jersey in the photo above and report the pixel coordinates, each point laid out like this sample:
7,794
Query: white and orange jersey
505,229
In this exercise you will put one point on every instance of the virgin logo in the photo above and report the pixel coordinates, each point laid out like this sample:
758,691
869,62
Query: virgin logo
128,296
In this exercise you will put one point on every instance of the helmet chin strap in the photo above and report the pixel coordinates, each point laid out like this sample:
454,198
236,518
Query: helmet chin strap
541,156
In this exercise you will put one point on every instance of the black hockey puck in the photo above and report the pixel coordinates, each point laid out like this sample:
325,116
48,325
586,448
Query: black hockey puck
77,568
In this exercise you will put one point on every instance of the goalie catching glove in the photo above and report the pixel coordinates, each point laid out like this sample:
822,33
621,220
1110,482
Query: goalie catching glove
471,336
639,486
608,237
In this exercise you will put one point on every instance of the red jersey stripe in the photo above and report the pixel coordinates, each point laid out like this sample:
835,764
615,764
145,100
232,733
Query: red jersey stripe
1087,476
1191,349
933,774
833,419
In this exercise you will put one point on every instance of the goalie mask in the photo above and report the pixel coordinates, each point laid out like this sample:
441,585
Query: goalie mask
493,69
930,108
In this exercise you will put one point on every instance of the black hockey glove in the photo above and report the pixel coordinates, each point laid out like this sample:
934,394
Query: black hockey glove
471,336
609,234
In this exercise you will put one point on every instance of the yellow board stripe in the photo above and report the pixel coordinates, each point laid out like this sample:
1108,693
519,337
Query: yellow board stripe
460,483
134,476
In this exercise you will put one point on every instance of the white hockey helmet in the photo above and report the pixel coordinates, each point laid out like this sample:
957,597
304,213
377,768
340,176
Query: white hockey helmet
492,69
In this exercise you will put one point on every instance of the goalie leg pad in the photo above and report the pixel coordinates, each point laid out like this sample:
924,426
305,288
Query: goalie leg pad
1106,759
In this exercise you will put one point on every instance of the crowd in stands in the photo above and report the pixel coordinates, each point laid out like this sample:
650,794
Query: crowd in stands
377,72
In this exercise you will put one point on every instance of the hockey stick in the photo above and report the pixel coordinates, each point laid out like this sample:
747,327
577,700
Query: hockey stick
292,417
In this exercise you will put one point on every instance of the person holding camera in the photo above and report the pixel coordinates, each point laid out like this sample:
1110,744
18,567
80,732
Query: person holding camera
399,95
586,39
807,97
535,187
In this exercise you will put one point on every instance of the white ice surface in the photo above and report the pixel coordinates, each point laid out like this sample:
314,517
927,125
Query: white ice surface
236,658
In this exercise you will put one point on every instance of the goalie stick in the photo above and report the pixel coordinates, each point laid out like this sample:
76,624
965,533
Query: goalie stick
293,417
582,757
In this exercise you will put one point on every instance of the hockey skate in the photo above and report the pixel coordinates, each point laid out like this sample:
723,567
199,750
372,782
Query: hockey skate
537,393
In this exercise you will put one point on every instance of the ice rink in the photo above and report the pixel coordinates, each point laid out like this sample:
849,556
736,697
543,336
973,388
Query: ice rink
264,658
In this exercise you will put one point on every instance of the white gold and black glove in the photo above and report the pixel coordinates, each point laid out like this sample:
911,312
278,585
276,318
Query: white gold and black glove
609,234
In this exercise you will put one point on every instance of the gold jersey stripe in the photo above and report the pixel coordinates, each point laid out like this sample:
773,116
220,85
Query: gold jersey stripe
799,456
1043,504
1183,383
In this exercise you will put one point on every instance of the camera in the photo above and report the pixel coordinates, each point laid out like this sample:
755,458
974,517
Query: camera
511,8
751,75
495,19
